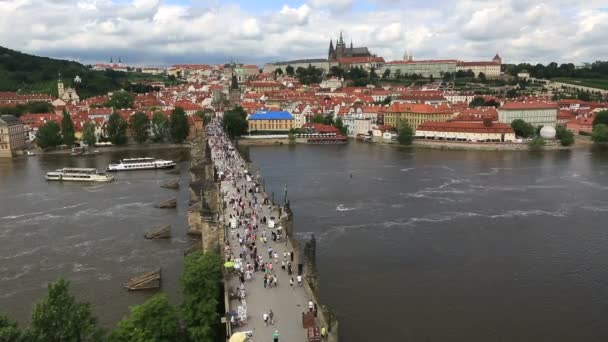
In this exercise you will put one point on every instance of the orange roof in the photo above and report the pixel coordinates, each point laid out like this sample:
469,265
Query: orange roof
469,127
353,60
529,105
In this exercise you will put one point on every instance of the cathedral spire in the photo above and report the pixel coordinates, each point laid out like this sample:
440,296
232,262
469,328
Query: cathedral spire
332,51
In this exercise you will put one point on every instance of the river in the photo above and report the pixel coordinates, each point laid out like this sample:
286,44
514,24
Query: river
90,234
430,245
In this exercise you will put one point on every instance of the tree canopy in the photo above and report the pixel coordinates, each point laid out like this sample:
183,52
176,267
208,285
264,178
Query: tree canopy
564,135
289,70
235,122
117,129
178,125
160,127
154,320
67,129
601,118
25,108
88,134
522,128
309,75
121,99
49,135
200,284
598,69
10,331
139,125
600,133
405,133
59,317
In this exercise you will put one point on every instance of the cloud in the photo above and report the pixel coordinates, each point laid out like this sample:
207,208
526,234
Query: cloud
208,31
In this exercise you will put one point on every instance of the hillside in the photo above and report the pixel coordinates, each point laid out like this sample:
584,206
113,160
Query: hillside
33,74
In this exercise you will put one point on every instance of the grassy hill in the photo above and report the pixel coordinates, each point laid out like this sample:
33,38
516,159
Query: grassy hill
32,74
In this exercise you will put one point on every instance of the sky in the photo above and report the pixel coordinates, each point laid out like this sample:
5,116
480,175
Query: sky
164,32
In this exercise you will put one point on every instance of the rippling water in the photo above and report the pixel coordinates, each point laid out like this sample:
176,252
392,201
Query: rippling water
429,245
90,234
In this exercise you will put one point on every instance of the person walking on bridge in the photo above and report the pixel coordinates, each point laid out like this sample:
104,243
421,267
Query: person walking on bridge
275,336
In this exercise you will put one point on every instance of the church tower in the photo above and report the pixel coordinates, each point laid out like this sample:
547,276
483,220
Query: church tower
60,88
331,55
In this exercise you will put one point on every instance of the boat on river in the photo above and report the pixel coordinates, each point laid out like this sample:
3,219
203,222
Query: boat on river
141,164
74,174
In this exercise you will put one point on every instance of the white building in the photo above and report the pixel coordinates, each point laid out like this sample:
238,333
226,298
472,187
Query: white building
535,113
486,131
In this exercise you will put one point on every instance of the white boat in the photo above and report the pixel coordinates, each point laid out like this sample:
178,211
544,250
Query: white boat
74,174
141,164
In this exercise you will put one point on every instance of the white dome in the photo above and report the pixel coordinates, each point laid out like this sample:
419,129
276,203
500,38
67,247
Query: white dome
548,132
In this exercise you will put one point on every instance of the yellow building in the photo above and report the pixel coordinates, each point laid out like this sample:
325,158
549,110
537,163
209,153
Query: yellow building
279,121
416,114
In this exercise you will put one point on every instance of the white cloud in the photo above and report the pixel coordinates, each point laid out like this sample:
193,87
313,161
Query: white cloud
155,32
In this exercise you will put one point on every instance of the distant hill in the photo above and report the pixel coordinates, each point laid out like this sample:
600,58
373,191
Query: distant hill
33,74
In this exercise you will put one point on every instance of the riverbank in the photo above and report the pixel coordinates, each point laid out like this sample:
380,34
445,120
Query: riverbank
128,147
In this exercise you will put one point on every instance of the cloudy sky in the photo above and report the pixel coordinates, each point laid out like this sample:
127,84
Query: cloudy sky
161,32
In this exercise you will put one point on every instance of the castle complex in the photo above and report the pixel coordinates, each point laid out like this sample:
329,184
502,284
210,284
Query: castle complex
360,57
341,51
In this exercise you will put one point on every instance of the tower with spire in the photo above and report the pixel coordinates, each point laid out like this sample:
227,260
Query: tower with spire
341,50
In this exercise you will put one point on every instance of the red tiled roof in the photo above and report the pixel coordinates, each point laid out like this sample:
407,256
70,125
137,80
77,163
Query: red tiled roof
428,61
353,60
469,127
529,105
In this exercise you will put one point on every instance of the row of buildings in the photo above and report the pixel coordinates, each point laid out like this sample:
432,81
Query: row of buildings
360,57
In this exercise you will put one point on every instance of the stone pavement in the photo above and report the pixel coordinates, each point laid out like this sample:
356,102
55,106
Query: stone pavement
287,303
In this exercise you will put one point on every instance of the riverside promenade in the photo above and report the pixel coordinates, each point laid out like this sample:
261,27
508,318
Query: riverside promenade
245,207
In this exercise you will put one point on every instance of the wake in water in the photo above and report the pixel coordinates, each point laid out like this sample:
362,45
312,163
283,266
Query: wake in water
341,207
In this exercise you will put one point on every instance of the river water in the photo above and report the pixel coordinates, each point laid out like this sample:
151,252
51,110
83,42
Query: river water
90,234
430,245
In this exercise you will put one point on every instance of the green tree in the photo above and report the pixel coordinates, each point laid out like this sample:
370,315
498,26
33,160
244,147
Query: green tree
49,135
205,114
291,136
278,72
405,133
318,119
482,77
335,71
140,125
536,144
328,120
600,133
117,129
235,122
120,100
67,129
289,70
59,317
386,74
340,125
309,75
200,283
398,74
478,101
565,136
601,118
178,125
522,128
9,331
88,134
154,320
160,127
